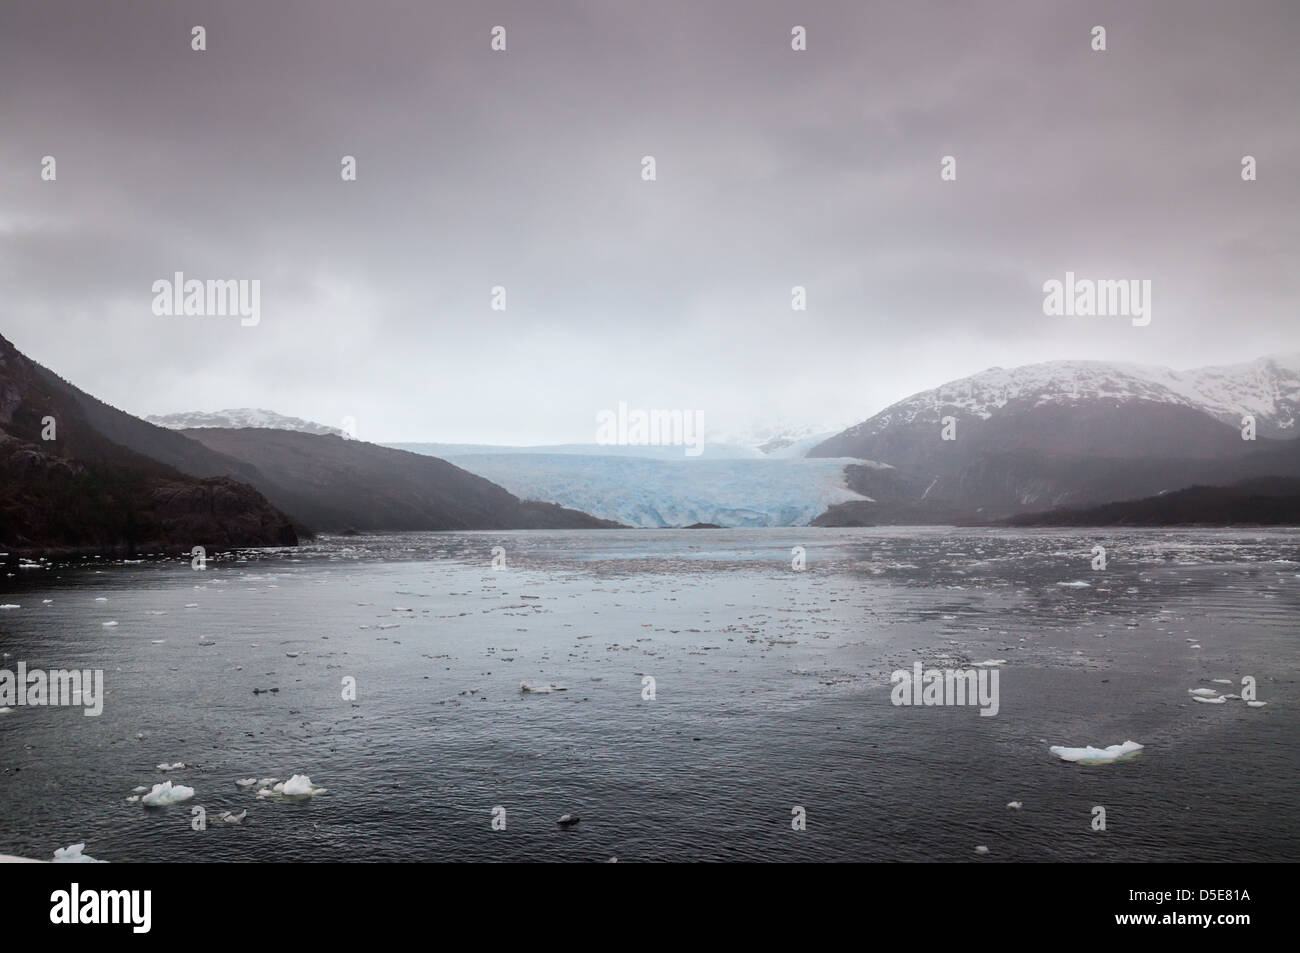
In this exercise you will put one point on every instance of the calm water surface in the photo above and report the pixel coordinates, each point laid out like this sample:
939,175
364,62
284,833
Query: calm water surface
771,691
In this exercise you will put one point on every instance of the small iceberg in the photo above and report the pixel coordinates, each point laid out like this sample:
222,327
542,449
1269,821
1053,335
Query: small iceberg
1076,584
246,782
298,786
72,854
981,849
225,817
1015,805
567,820
1256,704
10,605
989,663
1216,700
1091,755
1203,692
108,625
167,793
171,767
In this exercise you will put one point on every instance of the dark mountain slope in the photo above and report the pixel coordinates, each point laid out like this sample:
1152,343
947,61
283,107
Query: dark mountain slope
83,491
334,484
1271,501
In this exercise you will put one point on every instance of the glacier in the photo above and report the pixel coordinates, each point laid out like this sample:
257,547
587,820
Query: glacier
660,490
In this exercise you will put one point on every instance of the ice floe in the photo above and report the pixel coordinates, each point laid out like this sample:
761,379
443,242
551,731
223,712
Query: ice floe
1076,584
167,793
298,786
226,817
1207,692
1091,755
171,767
567,820
1015,805
72,854
1216,700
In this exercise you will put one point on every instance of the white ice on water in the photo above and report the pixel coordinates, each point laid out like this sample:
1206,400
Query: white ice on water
298,786
72,854
167,793
1091,755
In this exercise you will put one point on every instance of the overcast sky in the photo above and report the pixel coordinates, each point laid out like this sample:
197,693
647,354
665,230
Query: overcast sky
522,169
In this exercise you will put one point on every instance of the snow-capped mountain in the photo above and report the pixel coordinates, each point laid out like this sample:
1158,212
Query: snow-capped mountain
1069,433
240,417
1267,388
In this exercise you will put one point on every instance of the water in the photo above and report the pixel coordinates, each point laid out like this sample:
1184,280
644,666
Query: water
772,691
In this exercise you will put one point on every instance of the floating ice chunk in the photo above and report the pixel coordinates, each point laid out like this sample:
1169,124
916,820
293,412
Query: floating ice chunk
298,786
191,605
1015,805
47,602
990,662
981,849
225,817
167,793
1256,704
1076,584
139,790
101,598
6,710
72,854
1207,692
1222,681
266,782
527,687
10,605
133,799
1091,755
108,625
171,767
246,782
1216,700
157,641
567,820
